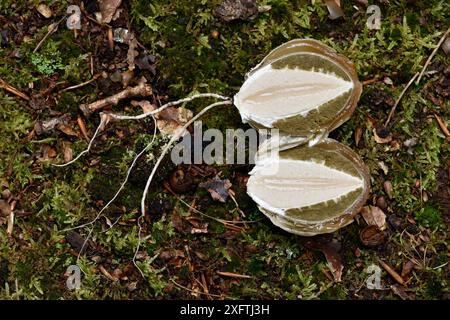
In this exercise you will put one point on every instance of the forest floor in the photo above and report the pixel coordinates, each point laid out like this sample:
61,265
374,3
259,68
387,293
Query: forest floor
183,48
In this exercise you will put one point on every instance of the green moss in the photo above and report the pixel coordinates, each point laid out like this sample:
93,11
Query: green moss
429,217
192,60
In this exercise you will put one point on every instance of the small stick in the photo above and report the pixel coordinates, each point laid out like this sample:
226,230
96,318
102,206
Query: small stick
82,126
442,125
140,90
13,90
95,77
51,29
369,81
392,272
432,55
10,226
190,290
233,275
108,275
110,38
399,98
106,117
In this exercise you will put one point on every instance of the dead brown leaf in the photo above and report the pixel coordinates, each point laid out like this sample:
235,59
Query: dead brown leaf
132,53
198,226
179,223
46,126
147,62
400,291
331,249
407,268
387,185
371,236
67,151
170,120
5,211
217,188
374,216
108,9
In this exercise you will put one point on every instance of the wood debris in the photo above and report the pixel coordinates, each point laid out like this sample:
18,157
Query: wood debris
141,90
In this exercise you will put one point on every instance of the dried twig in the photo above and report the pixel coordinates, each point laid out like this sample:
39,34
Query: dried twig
13,90
432,55
400,98
369,81
233,275
9,228
83,129
190,290
108,275
95,77
392,272
51,29
106,117
442,125
141,89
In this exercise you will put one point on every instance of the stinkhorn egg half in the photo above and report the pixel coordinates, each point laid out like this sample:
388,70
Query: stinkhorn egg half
304,89
310,190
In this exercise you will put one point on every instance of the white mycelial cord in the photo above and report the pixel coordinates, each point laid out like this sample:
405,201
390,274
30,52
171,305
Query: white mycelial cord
174,138
115,195
105,117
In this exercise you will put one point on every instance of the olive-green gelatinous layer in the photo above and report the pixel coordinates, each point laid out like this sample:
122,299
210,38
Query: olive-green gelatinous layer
326,210
316,119
327,153
309,62
331,215
320,56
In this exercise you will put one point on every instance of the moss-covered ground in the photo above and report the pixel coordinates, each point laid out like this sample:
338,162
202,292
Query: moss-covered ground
197,52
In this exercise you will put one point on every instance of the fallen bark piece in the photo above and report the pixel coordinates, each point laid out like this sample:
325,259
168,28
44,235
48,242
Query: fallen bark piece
45,126
230,10
142,89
